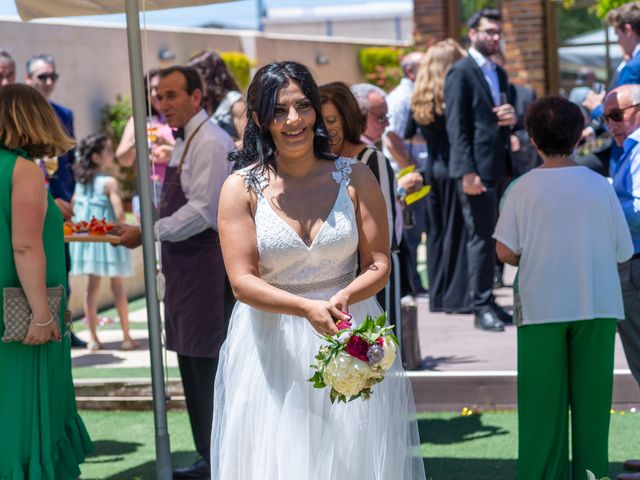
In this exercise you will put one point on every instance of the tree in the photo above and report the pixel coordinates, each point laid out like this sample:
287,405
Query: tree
605,5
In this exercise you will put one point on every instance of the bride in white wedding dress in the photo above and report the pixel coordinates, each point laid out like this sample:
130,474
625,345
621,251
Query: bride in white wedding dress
295,223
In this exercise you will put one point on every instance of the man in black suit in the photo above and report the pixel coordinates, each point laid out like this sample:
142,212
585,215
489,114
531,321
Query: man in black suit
479,120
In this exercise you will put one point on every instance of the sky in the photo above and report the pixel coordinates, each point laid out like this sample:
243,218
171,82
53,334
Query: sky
240,14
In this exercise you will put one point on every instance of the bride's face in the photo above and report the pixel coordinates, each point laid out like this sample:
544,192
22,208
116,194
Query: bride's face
292,124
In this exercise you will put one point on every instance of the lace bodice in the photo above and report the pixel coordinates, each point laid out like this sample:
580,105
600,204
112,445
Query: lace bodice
287,262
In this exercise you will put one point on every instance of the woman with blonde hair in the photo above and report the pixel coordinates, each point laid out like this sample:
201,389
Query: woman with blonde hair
446,237
38,408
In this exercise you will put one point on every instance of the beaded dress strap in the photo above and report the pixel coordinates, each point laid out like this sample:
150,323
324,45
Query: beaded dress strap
254,180
342,172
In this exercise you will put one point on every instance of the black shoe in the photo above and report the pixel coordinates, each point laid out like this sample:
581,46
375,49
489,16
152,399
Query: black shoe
76,342
488,321
502,314
199,469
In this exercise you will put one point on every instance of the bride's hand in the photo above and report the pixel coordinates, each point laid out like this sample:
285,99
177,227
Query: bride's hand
322,316
341,301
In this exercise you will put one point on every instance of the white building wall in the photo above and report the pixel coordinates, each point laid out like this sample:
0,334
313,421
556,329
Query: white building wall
93,60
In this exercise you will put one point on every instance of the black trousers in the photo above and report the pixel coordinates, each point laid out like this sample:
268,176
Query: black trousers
197,375
480,213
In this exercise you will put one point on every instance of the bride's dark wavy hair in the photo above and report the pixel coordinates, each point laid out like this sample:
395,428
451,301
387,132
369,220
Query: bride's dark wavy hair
258,147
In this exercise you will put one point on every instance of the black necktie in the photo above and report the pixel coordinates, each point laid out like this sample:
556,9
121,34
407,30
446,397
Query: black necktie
178,133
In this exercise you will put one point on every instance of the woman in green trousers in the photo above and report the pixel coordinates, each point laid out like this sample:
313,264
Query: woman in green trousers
41,435
563,226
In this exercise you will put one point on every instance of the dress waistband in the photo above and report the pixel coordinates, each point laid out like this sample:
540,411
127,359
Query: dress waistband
341,281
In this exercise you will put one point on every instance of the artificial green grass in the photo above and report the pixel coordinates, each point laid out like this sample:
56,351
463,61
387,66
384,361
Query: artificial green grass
137,304
139,372
455,447
81,326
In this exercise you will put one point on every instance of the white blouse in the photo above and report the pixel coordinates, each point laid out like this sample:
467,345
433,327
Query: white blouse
569,230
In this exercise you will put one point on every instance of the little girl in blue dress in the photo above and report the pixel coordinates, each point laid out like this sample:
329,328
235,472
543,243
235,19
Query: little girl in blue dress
97,195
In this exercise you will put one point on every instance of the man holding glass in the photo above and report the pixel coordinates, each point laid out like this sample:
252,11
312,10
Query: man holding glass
479,120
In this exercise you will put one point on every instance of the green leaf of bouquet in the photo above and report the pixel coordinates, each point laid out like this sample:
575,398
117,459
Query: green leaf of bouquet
333,395
394,338
381,320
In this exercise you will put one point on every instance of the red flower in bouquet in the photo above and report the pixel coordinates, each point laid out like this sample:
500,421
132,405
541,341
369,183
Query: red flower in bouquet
343,325
357,347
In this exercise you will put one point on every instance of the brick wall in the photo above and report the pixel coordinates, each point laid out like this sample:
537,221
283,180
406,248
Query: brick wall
430,21
524,35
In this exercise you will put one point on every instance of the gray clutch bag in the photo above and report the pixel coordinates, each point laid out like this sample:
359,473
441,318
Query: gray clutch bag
16,312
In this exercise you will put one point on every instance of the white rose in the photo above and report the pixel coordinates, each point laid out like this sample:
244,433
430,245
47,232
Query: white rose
347,374
389,349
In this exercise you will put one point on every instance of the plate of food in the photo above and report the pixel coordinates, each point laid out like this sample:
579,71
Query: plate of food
93,231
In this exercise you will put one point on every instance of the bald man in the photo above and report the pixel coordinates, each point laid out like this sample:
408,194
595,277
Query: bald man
622,114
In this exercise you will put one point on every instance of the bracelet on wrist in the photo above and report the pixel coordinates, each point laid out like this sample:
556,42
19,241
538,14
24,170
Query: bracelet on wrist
44,324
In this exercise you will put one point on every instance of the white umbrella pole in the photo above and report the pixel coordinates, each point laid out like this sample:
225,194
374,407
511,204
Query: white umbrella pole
163,452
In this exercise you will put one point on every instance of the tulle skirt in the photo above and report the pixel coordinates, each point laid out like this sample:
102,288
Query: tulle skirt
270,423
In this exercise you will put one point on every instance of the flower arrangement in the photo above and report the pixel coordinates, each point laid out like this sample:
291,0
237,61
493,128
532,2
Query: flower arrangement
355,359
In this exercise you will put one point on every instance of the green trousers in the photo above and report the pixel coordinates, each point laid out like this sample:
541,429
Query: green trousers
564,366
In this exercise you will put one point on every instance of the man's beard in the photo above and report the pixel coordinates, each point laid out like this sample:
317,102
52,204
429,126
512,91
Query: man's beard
486,50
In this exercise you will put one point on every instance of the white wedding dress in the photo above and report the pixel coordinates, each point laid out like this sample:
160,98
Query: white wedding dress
269,422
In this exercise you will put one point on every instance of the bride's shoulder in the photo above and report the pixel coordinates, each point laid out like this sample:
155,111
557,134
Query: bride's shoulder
247,179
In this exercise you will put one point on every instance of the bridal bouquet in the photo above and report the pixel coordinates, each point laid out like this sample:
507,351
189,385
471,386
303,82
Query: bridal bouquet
355,359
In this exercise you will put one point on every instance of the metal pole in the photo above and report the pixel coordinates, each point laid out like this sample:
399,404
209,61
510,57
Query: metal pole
163,452
397,311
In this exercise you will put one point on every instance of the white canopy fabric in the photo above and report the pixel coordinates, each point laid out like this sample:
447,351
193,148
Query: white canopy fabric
31,9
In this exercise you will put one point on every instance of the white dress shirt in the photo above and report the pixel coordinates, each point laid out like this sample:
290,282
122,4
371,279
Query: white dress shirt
490,75
204,170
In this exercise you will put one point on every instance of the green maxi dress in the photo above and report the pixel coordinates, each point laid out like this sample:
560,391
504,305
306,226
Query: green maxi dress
42,436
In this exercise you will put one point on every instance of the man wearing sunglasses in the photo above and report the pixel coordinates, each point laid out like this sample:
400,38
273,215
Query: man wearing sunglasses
622,116
42,75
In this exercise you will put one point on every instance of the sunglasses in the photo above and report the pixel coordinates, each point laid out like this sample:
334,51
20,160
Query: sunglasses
616,115
43,77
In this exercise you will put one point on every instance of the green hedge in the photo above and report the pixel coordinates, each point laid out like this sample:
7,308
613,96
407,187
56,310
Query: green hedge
381,65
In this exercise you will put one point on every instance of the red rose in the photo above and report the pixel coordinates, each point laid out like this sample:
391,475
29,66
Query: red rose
358,347
380,341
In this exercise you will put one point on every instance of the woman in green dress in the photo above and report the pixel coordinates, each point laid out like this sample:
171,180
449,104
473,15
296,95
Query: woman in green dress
41,434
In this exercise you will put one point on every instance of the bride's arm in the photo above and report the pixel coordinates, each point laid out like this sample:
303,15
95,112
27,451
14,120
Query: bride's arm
237,232
373,243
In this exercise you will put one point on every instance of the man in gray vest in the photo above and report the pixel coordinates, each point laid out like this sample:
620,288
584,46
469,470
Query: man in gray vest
196,285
